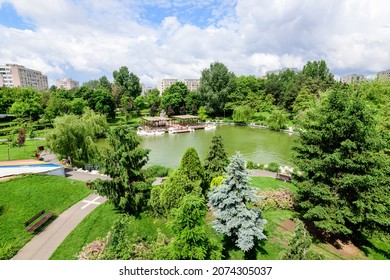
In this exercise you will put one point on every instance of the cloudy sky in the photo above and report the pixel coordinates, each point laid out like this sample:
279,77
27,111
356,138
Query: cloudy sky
155,39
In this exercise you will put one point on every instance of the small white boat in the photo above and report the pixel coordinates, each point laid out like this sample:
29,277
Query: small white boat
210,127
142,132
159,132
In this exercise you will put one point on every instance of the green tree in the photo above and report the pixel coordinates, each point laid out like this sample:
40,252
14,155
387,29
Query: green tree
277,120
174,96
105,84
242,114
304,101
171,193
153,98
191,165
27,103
345,183
128,83
73,136
299,244
103,102
77,106
191,241
202,113
123,163
216,160
187,179
216,84
317,77
233,213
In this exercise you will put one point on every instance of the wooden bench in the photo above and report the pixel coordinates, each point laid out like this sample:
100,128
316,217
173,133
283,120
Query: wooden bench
283,177
40,219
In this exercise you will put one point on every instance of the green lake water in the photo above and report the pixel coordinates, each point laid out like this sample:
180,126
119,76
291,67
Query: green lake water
257,145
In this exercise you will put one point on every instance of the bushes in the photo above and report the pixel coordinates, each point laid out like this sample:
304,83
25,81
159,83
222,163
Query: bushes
281,199
156,171
273,167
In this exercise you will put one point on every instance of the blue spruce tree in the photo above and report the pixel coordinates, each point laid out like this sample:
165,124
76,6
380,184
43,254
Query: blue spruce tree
231,204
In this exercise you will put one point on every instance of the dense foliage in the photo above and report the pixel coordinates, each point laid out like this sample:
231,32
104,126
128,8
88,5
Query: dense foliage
123,163
345,184
73,136
216,160
231,204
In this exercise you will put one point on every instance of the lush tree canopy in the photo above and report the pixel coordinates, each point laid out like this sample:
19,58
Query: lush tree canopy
216,84
72,136
345,185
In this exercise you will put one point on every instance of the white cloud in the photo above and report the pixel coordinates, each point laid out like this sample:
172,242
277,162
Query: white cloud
250,37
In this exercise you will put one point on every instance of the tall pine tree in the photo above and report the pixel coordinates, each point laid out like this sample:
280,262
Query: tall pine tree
123,163
345,183
231,204
216,160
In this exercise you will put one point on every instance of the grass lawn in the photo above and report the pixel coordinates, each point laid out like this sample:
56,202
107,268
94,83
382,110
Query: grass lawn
98,223
271,183
94,226
25,152
23,197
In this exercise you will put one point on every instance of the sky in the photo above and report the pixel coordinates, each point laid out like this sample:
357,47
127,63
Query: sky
156,39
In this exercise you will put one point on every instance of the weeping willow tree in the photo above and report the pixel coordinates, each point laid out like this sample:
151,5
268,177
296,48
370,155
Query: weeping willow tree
242,114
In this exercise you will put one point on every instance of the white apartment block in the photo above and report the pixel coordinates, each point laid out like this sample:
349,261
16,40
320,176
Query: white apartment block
383,74
165,83
352,78
192,84
14,75
67,83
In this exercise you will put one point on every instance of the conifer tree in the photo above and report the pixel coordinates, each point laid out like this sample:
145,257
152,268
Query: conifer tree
191,242
231,204
345,183
216,160
123,164
187,179
299,244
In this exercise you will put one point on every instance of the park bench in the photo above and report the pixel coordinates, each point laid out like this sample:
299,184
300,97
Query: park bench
283,177
40,219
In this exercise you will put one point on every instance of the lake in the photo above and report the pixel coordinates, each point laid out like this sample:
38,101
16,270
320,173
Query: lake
255,144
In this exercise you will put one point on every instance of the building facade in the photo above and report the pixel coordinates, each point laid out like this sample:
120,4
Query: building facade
352,78
383,74
14,75
192,84
67,83
165,83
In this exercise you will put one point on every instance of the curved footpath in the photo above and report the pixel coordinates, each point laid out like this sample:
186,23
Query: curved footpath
42,246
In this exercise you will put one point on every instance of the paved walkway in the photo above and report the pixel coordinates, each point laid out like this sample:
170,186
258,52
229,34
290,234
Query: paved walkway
42,246
262,173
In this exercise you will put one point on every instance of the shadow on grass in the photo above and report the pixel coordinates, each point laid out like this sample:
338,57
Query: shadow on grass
360,241
364,244
229,245
1,210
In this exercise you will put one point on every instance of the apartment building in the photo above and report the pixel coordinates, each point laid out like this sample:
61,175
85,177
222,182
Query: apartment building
67,83
192,84
14,75
165,83
352,78
383,74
